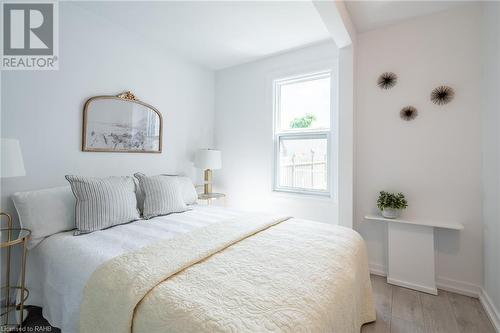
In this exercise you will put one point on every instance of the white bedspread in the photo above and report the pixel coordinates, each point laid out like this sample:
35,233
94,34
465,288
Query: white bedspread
254,273
60,266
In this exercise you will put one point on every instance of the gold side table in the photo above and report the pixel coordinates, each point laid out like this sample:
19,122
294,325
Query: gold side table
209,197
15,237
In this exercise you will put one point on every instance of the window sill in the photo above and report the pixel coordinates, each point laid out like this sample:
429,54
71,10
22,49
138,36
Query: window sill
288,194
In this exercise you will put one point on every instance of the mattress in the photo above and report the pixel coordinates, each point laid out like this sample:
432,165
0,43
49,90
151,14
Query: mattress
60,266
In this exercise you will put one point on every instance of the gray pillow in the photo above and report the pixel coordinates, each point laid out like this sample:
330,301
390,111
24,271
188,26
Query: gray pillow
139,195
103,202
188,191
162,195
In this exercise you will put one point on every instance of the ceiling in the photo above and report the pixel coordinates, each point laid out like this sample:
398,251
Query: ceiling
217,35
369,15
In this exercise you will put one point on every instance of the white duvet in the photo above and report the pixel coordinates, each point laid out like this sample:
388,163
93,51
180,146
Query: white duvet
60,266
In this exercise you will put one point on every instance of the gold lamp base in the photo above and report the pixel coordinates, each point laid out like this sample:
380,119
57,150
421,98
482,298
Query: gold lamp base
207,187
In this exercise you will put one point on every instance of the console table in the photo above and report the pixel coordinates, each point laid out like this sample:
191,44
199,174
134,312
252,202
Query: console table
410,252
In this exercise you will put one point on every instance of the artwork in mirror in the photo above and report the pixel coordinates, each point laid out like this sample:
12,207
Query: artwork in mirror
121,124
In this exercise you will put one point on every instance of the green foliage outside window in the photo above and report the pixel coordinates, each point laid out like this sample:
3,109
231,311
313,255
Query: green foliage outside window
303,122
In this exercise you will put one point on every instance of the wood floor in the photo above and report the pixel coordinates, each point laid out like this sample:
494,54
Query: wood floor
404,310
399,310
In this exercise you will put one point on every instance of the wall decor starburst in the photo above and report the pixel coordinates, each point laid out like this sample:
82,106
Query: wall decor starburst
387,80
442,95
408,113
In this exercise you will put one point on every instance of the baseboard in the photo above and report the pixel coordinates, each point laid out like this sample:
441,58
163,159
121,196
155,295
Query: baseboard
413,286
377,269
490,309
458,287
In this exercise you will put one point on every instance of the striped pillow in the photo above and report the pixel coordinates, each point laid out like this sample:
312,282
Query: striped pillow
162,195
103,202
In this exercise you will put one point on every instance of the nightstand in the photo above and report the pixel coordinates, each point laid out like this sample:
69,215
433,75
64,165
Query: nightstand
212,196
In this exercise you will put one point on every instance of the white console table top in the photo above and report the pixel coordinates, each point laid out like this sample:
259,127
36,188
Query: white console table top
444,225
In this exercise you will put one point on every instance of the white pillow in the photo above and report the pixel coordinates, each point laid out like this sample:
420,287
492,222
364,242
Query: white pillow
45,212
187,189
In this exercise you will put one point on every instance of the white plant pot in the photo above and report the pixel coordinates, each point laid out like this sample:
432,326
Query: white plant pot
391,213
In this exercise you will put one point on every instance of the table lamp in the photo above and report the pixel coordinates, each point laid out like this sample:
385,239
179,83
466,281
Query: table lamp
208,160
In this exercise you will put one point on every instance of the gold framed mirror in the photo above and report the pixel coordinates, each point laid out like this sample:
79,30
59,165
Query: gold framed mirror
121,124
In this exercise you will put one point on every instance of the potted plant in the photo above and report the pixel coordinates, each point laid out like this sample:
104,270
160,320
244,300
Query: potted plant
391,204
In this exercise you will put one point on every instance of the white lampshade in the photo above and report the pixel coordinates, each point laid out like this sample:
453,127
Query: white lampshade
208,159
12,164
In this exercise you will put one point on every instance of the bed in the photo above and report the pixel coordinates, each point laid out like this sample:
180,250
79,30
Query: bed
208,269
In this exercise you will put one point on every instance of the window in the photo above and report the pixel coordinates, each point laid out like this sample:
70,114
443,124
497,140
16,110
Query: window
302,108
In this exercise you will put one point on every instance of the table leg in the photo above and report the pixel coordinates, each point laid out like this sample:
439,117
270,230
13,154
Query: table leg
23,278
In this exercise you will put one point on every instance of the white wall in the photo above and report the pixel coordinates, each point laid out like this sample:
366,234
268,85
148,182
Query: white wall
436,158
43,109
244,133
491,152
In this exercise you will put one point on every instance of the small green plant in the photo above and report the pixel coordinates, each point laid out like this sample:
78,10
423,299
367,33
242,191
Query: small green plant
303,122
391,200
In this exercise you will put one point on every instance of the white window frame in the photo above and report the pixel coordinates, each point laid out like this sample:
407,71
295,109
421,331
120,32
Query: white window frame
294,134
